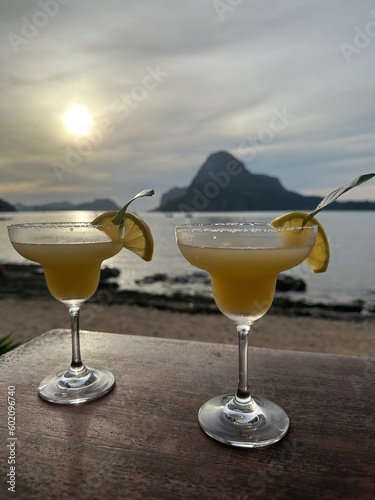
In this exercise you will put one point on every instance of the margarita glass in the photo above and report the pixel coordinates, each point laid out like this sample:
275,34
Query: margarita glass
244,260
71,254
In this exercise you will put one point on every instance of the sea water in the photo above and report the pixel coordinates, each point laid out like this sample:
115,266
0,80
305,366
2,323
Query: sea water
350,276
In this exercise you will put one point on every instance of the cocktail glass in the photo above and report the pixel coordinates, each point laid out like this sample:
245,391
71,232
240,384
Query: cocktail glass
71,254
244,260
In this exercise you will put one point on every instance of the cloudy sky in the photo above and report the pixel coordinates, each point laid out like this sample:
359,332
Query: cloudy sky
286,86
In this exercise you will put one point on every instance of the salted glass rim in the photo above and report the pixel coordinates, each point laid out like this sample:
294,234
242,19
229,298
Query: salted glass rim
252,226
62,232
54,225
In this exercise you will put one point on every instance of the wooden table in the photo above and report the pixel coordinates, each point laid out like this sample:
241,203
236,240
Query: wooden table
143,439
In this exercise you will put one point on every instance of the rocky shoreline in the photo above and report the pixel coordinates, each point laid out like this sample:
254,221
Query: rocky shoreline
198,304
26,281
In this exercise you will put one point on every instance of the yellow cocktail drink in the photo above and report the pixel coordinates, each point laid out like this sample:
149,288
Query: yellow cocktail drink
71,254
72,270
244,273
244,260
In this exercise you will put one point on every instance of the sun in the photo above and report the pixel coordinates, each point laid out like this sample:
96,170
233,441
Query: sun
78,120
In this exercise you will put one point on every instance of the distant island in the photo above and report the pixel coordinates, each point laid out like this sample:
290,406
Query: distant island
223,184
6,207
96,205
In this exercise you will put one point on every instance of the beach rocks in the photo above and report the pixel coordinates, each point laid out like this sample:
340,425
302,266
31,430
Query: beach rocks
27,280
24,280
285,283
185,279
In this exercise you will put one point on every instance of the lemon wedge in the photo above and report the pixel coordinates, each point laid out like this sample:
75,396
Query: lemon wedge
137,235
318,259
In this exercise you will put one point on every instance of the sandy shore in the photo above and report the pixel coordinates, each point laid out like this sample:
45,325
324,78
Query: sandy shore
28,318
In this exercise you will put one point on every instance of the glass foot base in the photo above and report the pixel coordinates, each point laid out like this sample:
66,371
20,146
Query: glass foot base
267,423
66,390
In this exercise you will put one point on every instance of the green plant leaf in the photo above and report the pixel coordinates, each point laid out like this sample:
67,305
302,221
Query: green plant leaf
336,193
7,345
119,217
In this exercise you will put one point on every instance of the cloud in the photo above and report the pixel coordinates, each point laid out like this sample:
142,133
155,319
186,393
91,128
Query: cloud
224,77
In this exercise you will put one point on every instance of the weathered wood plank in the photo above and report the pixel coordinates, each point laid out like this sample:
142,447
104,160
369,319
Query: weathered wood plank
143,439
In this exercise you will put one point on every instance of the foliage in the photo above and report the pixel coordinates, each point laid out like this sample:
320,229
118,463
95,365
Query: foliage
7,345
338,192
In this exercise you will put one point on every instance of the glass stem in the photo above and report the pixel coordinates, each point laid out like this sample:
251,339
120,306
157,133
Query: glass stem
77,365
243,395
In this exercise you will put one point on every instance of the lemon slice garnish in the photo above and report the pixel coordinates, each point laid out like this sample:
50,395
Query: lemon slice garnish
137,234
318,259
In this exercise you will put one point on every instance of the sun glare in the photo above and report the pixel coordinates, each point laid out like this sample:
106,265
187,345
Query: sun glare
78,120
